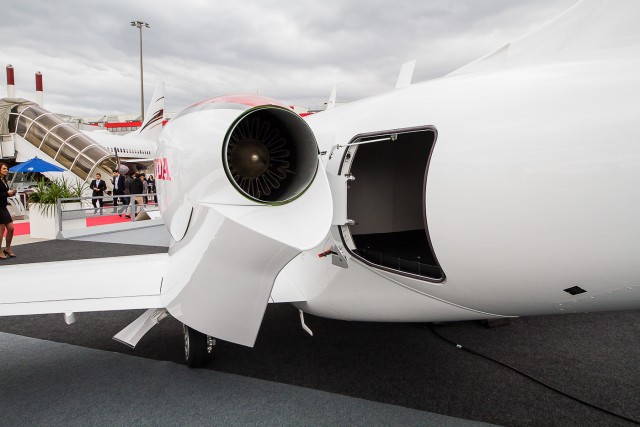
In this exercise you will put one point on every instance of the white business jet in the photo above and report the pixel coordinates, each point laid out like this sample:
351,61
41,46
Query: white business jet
506,188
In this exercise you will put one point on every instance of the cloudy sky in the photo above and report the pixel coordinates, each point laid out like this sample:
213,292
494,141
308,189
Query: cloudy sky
294,51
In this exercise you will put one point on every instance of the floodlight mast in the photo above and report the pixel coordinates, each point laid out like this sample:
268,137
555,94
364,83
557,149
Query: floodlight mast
140,25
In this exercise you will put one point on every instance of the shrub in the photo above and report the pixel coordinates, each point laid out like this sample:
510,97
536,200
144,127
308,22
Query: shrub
47,194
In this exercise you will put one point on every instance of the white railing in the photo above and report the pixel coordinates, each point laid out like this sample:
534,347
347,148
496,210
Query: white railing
131,209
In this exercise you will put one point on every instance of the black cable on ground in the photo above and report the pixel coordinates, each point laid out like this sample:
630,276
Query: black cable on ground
607,411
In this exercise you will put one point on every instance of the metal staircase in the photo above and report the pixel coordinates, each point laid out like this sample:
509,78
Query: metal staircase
54,139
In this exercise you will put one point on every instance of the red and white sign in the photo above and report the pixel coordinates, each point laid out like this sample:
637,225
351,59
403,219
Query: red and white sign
161,167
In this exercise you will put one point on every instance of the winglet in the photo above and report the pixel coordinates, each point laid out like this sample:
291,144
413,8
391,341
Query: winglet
406,74
154,116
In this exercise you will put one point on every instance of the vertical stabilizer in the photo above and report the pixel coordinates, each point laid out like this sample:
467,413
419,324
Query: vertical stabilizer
154,116
589,28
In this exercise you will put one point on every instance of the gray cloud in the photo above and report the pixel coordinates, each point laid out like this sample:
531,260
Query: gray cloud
289,50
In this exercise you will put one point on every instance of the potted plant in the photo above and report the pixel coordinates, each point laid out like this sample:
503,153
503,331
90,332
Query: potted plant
43,206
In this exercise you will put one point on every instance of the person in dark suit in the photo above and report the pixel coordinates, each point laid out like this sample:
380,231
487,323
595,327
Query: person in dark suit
98,186
118,189
127,191
6,222
137,188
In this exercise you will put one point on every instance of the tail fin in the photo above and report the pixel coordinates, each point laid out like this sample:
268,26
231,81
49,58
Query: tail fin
590,27
154,116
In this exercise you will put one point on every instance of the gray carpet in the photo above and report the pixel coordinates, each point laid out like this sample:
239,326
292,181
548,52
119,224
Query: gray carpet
594,357
48,383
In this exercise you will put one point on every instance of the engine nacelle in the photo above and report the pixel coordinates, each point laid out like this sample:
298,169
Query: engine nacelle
243,192
237,150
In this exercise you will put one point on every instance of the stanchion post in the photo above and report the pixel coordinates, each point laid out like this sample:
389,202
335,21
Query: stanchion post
59,208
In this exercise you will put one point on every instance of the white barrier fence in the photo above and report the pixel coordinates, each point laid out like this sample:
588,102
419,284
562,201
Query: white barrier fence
128,206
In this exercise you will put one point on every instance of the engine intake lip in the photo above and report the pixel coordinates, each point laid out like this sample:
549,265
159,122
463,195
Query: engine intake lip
270,155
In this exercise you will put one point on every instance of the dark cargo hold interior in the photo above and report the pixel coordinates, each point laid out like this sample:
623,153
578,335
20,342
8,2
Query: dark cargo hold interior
386,201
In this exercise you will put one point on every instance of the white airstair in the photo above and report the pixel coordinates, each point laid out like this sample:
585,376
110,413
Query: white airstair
33,131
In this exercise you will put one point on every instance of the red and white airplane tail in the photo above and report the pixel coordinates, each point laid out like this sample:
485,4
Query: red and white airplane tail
154,117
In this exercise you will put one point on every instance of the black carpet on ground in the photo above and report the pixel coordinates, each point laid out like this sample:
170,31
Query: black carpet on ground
592,356
68,250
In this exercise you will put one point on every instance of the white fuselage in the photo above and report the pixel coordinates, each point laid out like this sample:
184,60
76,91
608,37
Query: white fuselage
531,189
127,147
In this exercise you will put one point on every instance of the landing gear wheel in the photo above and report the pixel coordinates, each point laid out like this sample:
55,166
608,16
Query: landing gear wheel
197,347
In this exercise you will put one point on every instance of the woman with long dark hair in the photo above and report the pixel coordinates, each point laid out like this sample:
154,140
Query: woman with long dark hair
6,222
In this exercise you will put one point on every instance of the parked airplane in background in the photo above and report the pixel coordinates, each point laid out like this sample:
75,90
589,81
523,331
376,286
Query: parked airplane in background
139,146
507,188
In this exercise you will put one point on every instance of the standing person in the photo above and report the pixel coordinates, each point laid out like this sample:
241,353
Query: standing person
152,188
98,186
137,188
118,189
6,222
145,187
127,190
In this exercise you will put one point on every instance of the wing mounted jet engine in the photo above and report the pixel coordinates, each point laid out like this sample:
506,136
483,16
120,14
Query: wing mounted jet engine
243,193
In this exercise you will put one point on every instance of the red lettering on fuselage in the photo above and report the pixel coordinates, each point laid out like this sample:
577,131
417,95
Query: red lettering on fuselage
161,167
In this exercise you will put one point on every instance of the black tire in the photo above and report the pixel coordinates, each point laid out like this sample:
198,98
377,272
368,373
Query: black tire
195,347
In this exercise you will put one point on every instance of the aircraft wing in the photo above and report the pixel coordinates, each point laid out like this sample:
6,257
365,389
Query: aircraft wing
82,285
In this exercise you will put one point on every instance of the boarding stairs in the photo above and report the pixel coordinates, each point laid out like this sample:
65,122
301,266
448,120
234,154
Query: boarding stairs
34,131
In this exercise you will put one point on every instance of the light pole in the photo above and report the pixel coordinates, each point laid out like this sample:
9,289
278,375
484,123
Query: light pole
140,25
